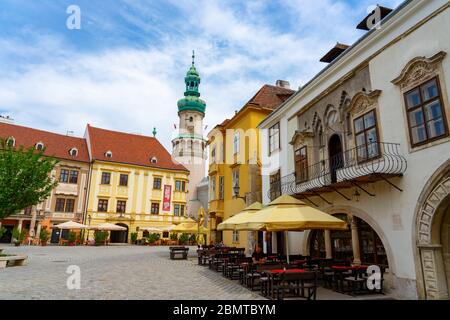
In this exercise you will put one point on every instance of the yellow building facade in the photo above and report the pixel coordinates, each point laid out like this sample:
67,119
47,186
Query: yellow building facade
134,183
235,167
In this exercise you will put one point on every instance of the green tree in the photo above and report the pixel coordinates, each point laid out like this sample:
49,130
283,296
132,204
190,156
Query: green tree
24,177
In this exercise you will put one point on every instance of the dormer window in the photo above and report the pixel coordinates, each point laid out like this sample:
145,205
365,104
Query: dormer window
108,154
39,146
154,160
73,152
11,142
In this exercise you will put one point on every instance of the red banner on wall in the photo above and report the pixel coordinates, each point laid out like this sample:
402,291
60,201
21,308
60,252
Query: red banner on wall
167,197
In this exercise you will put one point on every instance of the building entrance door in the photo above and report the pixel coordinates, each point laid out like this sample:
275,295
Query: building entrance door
7,236
335,151
445,240
119,236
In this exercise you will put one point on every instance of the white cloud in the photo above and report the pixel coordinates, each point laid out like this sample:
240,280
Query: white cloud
134,88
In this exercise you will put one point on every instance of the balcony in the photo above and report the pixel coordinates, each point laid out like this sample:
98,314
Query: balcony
213,168
367,164
216,206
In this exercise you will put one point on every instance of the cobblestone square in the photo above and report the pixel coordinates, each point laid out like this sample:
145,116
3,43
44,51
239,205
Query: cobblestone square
115,272
123,273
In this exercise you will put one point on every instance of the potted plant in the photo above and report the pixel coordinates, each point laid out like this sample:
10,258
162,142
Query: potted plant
19,236
134,236
152,238
15,237
100,237
193,239
173,239
2,231
44,235
184,238
72,238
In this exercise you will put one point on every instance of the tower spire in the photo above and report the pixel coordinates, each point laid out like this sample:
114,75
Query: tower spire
193,57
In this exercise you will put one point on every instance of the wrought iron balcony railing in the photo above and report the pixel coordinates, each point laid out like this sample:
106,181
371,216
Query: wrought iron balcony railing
375,159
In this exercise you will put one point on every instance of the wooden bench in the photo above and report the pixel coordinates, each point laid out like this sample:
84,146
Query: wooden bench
12,261
177,251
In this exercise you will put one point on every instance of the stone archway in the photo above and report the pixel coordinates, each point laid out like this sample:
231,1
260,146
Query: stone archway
119,236
429,261
361,214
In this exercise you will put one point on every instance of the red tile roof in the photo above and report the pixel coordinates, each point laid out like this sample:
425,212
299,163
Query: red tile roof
56,145
130,148
270,97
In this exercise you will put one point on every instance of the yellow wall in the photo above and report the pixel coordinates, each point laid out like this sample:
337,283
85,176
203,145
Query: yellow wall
139,194
246,120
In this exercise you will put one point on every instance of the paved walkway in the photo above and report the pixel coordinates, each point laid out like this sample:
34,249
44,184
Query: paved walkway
119,272
114,272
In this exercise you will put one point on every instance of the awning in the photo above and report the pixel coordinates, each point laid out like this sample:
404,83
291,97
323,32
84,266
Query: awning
70,225
289,214
242,217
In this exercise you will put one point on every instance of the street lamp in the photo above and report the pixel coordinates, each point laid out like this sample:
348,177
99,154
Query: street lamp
89,218
236,193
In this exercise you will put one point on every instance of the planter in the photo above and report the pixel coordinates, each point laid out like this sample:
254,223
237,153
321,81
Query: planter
43,243
72,244
17,244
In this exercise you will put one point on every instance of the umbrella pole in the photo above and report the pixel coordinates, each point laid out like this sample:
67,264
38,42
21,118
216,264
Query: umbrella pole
286,237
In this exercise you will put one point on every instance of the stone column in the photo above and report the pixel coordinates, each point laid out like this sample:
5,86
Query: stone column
19,226
38,230
33,222
328,247
250,242
355,242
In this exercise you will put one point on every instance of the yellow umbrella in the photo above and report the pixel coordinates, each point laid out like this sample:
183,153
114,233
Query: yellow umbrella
240,218
289,214
189,227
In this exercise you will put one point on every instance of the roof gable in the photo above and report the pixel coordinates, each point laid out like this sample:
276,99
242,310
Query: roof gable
56,145
130,149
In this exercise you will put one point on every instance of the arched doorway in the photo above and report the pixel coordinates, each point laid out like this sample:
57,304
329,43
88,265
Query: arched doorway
371,248
335,152
119,236
432,236
445,240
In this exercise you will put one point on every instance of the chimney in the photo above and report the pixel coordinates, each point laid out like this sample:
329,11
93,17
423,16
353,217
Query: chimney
6,119
283,84
69,133
374,18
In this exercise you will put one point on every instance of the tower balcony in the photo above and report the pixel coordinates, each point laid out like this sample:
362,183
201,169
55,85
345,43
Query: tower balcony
377,161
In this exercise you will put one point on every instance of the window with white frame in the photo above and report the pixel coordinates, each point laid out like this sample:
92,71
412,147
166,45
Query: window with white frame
213,188
235,236
235,181
274,137
221,187
213,155
236,139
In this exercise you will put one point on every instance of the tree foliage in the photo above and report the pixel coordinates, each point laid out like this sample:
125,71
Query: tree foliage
25,178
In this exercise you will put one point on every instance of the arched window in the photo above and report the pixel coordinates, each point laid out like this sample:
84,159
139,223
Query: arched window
154,160
331,116
39,146
73,152
11,141
191,119
108,154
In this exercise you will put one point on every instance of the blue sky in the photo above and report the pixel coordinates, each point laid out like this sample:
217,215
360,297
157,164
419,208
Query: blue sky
124,69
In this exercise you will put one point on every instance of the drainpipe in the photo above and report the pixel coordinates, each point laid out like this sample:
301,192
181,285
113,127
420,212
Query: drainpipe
86,196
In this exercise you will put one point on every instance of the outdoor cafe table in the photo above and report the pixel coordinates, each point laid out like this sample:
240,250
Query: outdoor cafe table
272,274
339,274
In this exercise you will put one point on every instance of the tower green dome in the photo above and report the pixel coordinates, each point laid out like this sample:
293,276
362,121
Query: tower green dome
191,100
